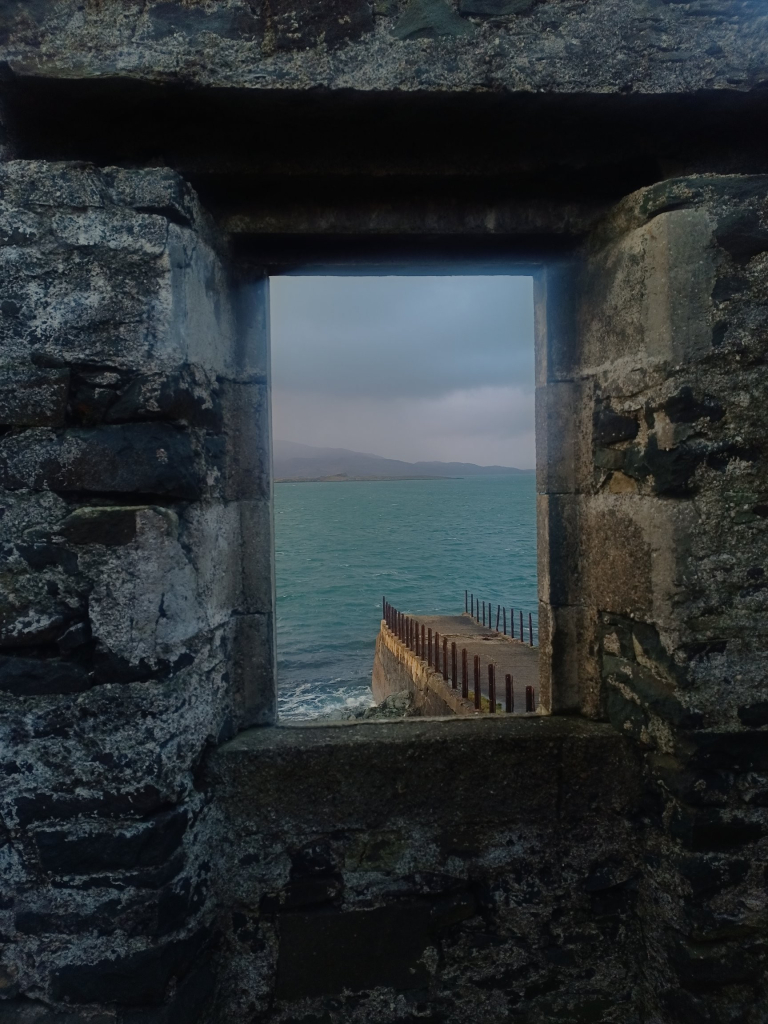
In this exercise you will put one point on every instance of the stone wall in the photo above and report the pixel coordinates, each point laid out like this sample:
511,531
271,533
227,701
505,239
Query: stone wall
654,518
135,589
462,871
605,46
606,864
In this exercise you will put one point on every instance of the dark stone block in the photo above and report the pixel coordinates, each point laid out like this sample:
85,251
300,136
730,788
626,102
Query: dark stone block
334,22
672,470
169,19
28,1011
137,458
141,979
654,694
496,8
609,427
45,806
35,677
430,19
190,1003
625,716
754,715
176,396
76,636
712,830
33,397
684,408
325,952
742,235
29,922
727,751
63,853
707,875
701,968
39,556
726,287
174,908
112,527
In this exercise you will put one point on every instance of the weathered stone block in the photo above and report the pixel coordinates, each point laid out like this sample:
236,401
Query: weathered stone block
189,396
134,980
496,8
430,19
33,397
35,677
298,26
108,526
326,952
138,458
67,853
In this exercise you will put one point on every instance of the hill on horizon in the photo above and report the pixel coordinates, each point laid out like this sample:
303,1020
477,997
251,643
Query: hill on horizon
294,461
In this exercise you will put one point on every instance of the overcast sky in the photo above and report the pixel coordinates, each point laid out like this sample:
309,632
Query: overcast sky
406,367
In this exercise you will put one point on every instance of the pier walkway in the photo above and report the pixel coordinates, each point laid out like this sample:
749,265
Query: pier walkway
439,658
508,655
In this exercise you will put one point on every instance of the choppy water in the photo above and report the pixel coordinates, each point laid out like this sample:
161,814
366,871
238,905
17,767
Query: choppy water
340,547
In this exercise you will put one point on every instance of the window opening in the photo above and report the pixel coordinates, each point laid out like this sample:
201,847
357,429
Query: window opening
403,447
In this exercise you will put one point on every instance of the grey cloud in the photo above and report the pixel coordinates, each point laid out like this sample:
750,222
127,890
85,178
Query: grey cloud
391,337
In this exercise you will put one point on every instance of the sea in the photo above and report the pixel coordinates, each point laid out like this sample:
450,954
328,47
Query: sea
341,547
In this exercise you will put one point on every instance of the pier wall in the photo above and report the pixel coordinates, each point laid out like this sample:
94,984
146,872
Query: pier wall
396,668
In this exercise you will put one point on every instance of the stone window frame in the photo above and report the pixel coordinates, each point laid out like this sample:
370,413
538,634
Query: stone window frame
510,264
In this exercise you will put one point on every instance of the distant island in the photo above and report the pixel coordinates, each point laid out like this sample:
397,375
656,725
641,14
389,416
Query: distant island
303,463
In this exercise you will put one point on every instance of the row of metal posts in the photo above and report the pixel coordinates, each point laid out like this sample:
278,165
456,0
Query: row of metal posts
418,638
473,607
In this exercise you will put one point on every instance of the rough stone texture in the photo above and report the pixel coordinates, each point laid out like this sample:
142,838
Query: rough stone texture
400,45
360,893
536,871
128,534
656,544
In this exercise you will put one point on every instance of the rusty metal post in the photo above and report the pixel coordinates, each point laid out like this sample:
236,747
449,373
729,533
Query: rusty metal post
453,665
522,634
478,700
498,614
437,651
529,699
483,612
429,647
410,634
423,642
445,660
530,629
466,602
505,619
512,623
464,674
510,693
492,687
472,605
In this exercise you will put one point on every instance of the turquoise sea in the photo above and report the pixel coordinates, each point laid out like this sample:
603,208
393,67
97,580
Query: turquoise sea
340,547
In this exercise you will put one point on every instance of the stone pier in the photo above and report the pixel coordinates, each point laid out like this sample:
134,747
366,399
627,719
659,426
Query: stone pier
396,667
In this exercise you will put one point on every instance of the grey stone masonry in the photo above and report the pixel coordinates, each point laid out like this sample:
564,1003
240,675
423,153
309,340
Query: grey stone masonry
135,588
